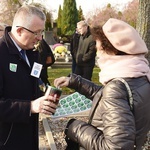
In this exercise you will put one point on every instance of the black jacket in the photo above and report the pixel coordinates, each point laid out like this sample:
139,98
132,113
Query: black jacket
114,125
74,45
45,51
18,128
86,50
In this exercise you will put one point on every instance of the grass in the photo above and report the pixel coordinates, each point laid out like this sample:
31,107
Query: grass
54,73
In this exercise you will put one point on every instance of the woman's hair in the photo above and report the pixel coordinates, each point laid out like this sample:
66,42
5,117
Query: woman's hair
98,34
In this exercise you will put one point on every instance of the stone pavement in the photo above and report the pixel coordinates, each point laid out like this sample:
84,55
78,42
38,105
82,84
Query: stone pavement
43,142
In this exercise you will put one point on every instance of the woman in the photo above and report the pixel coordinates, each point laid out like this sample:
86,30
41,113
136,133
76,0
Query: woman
114,125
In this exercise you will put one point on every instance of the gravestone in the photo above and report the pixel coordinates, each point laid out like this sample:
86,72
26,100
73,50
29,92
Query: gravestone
49,38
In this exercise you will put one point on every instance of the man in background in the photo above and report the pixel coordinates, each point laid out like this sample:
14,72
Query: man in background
85,57
2,28
73,48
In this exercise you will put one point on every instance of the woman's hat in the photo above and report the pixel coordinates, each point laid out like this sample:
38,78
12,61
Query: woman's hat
124,37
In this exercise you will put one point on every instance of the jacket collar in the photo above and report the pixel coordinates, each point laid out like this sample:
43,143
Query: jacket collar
87,33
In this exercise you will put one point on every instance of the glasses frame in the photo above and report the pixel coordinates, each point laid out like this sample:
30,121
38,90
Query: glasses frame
35,33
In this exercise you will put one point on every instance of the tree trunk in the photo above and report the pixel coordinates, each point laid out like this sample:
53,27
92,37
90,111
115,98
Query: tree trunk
143,23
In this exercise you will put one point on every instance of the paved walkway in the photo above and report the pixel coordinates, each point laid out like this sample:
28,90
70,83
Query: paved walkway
43,142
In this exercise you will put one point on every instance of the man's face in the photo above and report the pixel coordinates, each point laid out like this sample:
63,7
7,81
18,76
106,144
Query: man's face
28,37
81,29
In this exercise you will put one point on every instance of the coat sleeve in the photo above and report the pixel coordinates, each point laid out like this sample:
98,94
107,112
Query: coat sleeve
91,52
46,51
83,86
118,123
12,110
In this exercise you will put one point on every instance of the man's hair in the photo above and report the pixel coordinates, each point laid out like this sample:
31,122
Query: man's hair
82,23
25,13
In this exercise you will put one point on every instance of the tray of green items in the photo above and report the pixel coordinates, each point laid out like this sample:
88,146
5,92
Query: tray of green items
72,104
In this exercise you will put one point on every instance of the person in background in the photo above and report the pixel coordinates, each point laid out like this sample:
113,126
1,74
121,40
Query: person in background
73,48
2,28
1,32
85,57
45,53
115,122
20,98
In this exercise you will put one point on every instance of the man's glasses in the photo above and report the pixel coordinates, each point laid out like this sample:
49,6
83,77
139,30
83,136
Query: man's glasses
35,33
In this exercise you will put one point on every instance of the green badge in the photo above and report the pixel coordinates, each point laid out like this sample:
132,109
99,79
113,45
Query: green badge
13,67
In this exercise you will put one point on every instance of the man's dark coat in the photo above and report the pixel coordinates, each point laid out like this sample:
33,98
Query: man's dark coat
18,128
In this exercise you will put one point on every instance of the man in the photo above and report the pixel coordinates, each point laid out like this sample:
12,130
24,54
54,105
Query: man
19,75
73,48
2,27
85,57
1,32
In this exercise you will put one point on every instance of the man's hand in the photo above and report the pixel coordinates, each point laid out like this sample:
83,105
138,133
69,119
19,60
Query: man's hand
44,104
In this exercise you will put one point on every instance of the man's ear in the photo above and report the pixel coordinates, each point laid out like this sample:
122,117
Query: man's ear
19,30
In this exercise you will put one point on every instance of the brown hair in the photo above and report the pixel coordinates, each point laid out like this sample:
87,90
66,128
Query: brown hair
98,34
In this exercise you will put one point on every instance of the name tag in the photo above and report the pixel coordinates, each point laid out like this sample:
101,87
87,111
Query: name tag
36,70
13,67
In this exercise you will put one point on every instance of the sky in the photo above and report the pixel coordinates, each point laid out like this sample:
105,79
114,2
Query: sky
86,5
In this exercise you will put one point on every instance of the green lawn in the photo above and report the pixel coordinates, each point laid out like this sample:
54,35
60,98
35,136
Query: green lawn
58,72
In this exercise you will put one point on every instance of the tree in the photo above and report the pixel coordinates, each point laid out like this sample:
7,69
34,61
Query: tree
80,14
59,20
102,15
69,17
143,23
48,23
130,13
48,14
8,10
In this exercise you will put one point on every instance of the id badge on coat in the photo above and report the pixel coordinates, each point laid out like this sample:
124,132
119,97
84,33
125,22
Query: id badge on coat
36,70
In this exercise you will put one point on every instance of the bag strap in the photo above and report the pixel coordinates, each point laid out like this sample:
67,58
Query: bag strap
129,94
128,90
94,107
130,98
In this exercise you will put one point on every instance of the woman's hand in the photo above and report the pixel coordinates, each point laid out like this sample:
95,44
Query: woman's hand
61,82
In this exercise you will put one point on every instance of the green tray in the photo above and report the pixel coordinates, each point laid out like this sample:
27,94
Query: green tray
72,104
